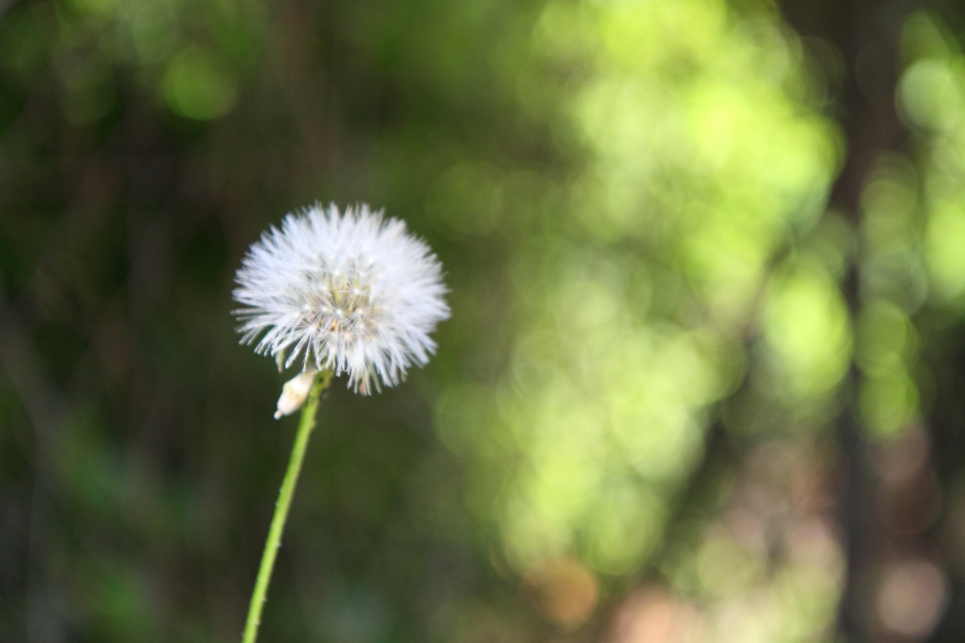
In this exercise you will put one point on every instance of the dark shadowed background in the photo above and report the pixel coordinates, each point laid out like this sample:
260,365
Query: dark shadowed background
704,379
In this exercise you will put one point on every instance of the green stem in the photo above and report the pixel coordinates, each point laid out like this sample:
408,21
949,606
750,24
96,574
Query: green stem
273,543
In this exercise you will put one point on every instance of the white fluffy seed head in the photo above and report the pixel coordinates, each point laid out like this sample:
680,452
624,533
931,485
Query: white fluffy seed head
352,292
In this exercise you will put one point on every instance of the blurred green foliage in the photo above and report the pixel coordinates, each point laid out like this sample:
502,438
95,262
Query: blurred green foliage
631,418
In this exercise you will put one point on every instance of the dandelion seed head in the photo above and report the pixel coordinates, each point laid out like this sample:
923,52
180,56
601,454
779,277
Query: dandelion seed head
352,292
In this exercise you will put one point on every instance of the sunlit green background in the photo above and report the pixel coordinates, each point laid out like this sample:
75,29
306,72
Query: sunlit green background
686,393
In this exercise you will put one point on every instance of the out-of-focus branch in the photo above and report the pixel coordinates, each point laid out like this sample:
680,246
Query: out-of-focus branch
866,34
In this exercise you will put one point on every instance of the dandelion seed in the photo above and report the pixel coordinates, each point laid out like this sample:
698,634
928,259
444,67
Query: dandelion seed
352,292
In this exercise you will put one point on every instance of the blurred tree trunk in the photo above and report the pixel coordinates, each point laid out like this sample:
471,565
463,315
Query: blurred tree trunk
866,34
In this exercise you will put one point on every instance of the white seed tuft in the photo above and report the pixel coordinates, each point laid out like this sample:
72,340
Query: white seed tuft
354,293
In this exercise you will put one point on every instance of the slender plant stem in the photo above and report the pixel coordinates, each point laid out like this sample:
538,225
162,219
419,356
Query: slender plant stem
273,543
